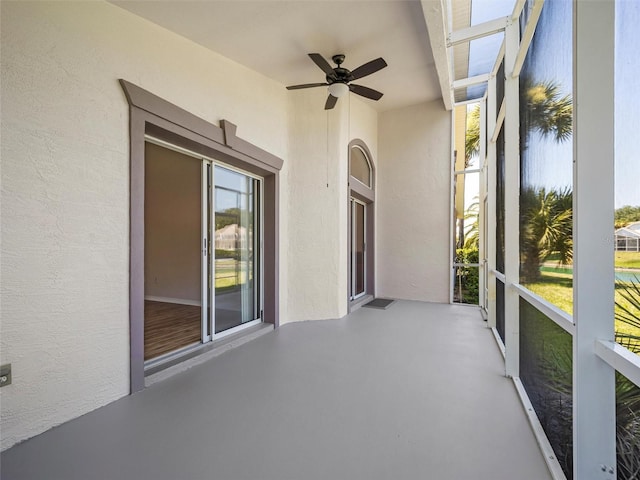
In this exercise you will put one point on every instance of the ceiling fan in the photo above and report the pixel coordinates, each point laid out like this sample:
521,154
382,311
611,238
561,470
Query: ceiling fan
339,79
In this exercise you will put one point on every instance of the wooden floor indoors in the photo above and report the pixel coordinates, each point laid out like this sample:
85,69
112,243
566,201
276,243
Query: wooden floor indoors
169,326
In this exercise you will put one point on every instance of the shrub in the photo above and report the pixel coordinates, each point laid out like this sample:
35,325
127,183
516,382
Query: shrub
467,278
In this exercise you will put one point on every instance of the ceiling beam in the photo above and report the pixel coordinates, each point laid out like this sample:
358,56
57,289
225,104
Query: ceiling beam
517,9
434,16
499,58
527,35
468,82
477,31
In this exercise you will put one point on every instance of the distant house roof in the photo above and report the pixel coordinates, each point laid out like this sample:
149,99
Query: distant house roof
630,231
635,226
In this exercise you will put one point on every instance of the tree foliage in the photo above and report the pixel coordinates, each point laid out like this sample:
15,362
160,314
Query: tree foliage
228,216
467,278
547,110
546,228
472,136
626,215
627,393
471,232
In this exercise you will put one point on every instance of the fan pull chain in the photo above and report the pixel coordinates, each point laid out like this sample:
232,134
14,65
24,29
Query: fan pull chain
327,155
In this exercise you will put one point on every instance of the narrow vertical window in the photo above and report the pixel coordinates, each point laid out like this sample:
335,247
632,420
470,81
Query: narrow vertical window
361,231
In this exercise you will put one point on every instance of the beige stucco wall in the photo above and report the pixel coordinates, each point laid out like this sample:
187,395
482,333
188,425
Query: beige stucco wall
414,197
318,198
313,244
65,191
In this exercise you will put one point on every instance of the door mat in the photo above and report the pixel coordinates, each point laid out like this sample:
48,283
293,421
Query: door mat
381,303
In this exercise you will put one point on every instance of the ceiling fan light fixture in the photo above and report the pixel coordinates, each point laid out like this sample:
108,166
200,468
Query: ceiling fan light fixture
338,89
338,78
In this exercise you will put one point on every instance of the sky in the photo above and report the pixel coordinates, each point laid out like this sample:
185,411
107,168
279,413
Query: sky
232,180
627,102
549,163
552,60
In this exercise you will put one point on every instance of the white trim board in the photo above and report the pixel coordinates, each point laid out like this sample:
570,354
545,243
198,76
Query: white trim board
541,437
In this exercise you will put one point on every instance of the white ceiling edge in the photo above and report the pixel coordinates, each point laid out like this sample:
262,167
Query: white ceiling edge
434,15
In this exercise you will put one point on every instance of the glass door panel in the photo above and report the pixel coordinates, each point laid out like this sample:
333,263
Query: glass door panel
174,302
357,249
236,249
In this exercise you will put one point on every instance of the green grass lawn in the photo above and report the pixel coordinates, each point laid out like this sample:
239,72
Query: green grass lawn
557,288
622,259
628,260
229,274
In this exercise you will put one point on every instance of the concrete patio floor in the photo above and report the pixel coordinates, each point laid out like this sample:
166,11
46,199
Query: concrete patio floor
413,392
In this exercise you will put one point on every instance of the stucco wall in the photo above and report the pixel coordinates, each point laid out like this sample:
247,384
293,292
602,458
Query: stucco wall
413,198
318,197
65,192
363,125
314,183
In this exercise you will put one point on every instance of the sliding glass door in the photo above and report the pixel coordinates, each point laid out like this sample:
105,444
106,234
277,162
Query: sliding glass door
202,251
237,233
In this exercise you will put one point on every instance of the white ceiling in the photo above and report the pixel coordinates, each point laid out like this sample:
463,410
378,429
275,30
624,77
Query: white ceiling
274,37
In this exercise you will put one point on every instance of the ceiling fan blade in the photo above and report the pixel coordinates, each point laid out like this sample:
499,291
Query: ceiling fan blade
331,102
366,92
322,63
306,85
368,68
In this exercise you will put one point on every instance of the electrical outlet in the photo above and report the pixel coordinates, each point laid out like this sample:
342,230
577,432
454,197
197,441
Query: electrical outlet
5,375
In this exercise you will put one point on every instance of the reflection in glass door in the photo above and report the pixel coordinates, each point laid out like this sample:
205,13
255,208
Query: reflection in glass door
237,249
358,267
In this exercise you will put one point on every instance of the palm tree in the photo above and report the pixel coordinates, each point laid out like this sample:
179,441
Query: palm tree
628,313
546,217
471,144
547,111
467,252
546,226
471,234
627,393
472,137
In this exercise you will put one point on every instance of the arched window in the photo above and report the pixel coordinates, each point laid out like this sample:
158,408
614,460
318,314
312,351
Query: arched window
359,166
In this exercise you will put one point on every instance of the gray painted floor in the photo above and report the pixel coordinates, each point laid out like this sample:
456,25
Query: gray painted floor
413,392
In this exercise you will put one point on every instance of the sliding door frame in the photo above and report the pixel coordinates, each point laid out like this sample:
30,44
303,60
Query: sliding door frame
156,117
353,295
208,300
258,295
207,252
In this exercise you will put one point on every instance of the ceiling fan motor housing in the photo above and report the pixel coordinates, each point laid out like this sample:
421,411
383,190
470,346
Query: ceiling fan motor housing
339,75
